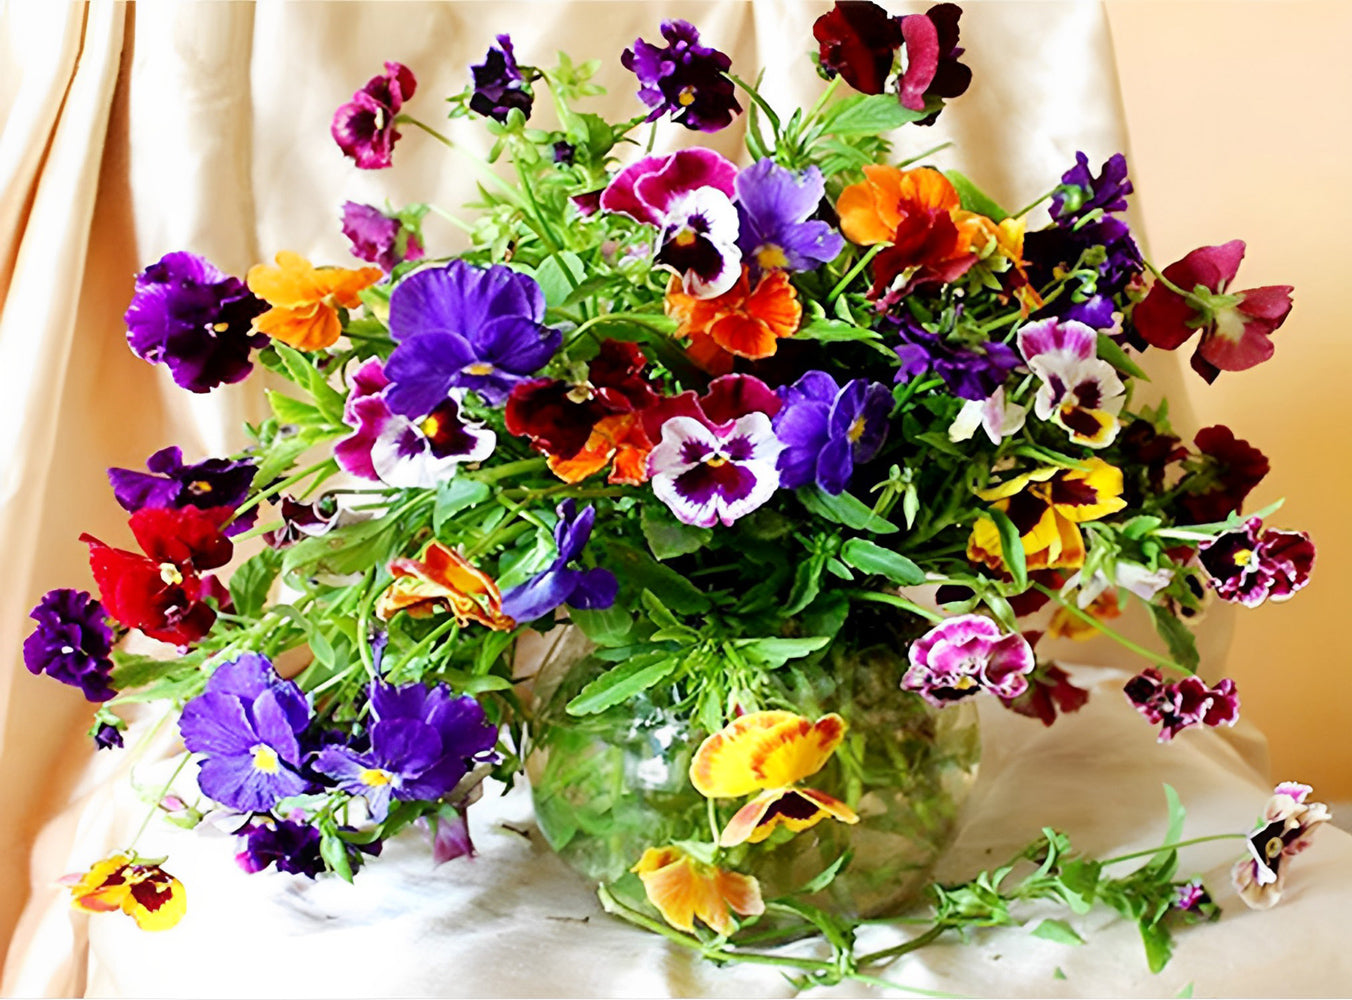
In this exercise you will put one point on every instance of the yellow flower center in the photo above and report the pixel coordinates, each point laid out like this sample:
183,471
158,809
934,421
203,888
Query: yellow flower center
965,683
581,392
170,574
220,327
715,461
430,426
1273,847
856,430
769,257
265,759
479,368
1244,557
685,238
686,97
199,487
374,777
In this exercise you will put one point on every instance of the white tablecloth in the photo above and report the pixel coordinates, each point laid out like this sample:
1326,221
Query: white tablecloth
514,921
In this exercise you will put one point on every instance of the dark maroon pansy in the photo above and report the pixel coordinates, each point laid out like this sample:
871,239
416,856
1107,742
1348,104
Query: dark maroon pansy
364,126
859,41
1232,468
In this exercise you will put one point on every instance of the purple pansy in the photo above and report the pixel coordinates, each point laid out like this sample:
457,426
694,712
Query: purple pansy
450,835
699,242
422,742
1285,829
108,737
216,482
196,320
499,85
774,207
72,643
1080,192
684,79
827,429
409,453
645,190
557,584
247,725
962,656
1182,704
1248,566
464,327
1192,897
292,847
384,240
969,371
364,126
1080,393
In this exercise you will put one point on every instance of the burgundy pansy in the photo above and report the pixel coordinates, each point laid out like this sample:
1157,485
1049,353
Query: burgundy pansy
364,126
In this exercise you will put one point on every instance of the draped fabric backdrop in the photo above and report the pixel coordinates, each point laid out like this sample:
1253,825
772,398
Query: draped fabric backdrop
133,131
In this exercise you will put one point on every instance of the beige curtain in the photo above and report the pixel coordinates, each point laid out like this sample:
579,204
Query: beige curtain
129,132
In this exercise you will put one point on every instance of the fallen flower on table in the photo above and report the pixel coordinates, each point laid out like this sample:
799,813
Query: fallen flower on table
1288,822
145,892
683,889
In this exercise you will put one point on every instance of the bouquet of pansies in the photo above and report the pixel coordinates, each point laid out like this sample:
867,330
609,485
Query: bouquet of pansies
707,419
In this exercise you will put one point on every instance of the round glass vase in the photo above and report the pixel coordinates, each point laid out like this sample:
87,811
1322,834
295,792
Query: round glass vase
608,785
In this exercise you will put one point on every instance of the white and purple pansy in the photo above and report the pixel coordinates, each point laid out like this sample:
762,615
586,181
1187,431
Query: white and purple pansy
717,456
699,242
401,451
1080,393
965,655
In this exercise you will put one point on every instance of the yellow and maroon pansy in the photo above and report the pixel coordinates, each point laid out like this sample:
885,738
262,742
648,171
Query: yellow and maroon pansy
443,580
770,752
146,893
683,888
305,299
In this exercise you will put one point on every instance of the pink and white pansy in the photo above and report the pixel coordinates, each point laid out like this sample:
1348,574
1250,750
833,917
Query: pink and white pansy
998,417
408,453
717,456
1080,392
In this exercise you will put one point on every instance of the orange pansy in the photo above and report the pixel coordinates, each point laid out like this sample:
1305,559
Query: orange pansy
872,211
682,889
618,439
146,893
443,580
744,322
305,299
770,752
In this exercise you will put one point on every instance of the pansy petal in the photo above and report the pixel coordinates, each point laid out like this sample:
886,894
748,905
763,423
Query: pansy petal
723,765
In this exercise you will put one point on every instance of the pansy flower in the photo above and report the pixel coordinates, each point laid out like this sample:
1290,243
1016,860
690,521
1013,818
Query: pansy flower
1079,393
746,321
1235,326
558,584
196,320
684,889
770,753
499,85
775,207
107,737
1049,694
995,415
161,592
1285,829
716,455
585,426
364,126
684,79
146,893
169,482
1080,192
970,371
858,40
1231,469
1182,704
699,241
965,655
248,725
1248,565
917,214
828,429
303,520
442,580
464,327
1047,506
399,451
930,63
645,190
290,847
305,299
423,741
72,643
384,240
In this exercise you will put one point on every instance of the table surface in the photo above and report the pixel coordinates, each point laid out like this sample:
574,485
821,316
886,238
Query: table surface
514,921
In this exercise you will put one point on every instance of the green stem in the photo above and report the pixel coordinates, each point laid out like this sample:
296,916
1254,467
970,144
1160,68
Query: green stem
920,156
631,318
509,469
1111,633
290,481
154,807
826,95
853,272
1173,846
888,984
897,602
428,641
544,228
914,944
368,659
475,164
1032,205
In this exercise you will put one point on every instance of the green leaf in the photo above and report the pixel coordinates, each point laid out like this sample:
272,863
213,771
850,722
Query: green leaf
1159,944
333,849
621,683
1185,993
831,331
806,583
668,625
645,573
133,670
345,550
776,652
668,537
869,115
1179,638
558,275
292,411
453,496
871,557
1113,353
299,369
1010,547
1058,931
321,647
827,875
1079,882
1057,973
844,509
612,626
1140,526
973,198
250,583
